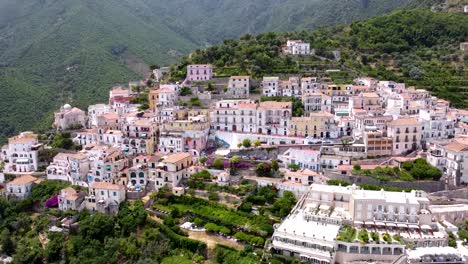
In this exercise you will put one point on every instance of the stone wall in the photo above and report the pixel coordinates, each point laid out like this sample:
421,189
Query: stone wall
452,194
427,186
269,153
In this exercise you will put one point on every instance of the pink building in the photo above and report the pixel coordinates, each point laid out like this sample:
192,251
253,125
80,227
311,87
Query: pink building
199,72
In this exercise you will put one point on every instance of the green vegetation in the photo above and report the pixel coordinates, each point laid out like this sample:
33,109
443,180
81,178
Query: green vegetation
418,47
347,234
246,143
254,240
283,206
202,175
129,237
371,187
240,190
387,238
418,169
64,141
397,238
219,214
375,237
452,240
185,91
463,232
225,255
363,236
211,227
103,43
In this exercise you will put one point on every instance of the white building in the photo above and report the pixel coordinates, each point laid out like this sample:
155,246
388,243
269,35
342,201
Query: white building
105,197
312,231
21,153
69,117
96,110
451,158
70,199
170,170
20,187
305,158
270,86
69,167
291,87
297,47
437,125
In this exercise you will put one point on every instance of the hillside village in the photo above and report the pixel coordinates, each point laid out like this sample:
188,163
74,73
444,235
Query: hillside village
373,170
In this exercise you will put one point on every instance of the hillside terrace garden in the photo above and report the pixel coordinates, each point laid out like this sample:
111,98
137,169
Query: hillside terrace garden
417,170
241,223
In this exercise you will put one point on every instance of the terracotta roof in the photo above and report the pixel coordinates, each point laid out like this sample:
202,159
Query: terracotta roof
69,193
110,116
370,95
456,147
23,180
301,173
275,105
404,122
78,155
173,158
246,105
106,186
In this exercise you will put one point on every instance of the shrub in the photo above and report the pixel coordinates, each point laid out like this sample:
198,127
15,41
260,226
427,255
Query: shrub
375,237
387,238
211,227
363,236
213,196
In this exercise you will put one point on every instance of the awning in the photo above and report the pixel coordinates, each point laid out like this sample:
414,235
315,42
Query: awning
402,225
414,226
379,223
358,222
391,224
426,227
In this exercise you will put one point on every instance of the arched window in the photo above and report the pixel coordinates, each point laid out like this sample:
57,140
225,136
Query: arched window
141,174
133,175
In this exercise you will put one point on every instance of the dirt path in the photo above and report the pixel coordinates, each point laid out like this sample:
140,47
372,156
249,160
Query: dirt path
212,240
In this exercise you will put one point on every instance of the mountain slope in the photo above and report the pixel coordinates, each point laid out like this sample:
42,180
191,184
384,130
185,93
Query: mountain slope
66,51
57,51
419,47
208,21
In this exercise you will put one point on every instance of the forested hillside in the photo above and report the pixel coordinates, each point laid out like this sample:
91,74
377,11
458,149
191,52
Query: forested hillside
57,51
418,47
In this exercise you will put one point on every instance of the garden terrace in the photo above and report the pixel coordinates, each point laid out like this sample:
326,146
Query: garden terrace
218,214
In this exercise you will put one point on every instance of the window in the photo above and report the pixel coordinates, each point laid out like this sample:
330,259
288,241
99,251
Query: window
115,194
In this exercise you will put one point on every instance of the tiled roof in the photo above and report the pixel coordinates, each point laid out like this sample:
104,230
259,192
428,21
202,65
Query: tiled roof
173,158
23,180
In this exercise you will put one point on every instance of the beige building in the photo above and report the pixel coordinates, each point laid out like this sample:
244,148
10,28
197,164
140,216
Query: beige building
406,134
169,170
238,87
70,199
316,125
377,144
69,117
105,197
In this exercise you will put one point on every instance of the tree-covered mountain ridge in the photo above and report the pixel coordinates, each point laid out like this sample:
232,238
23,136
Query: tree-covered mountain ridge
72,51
418,47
